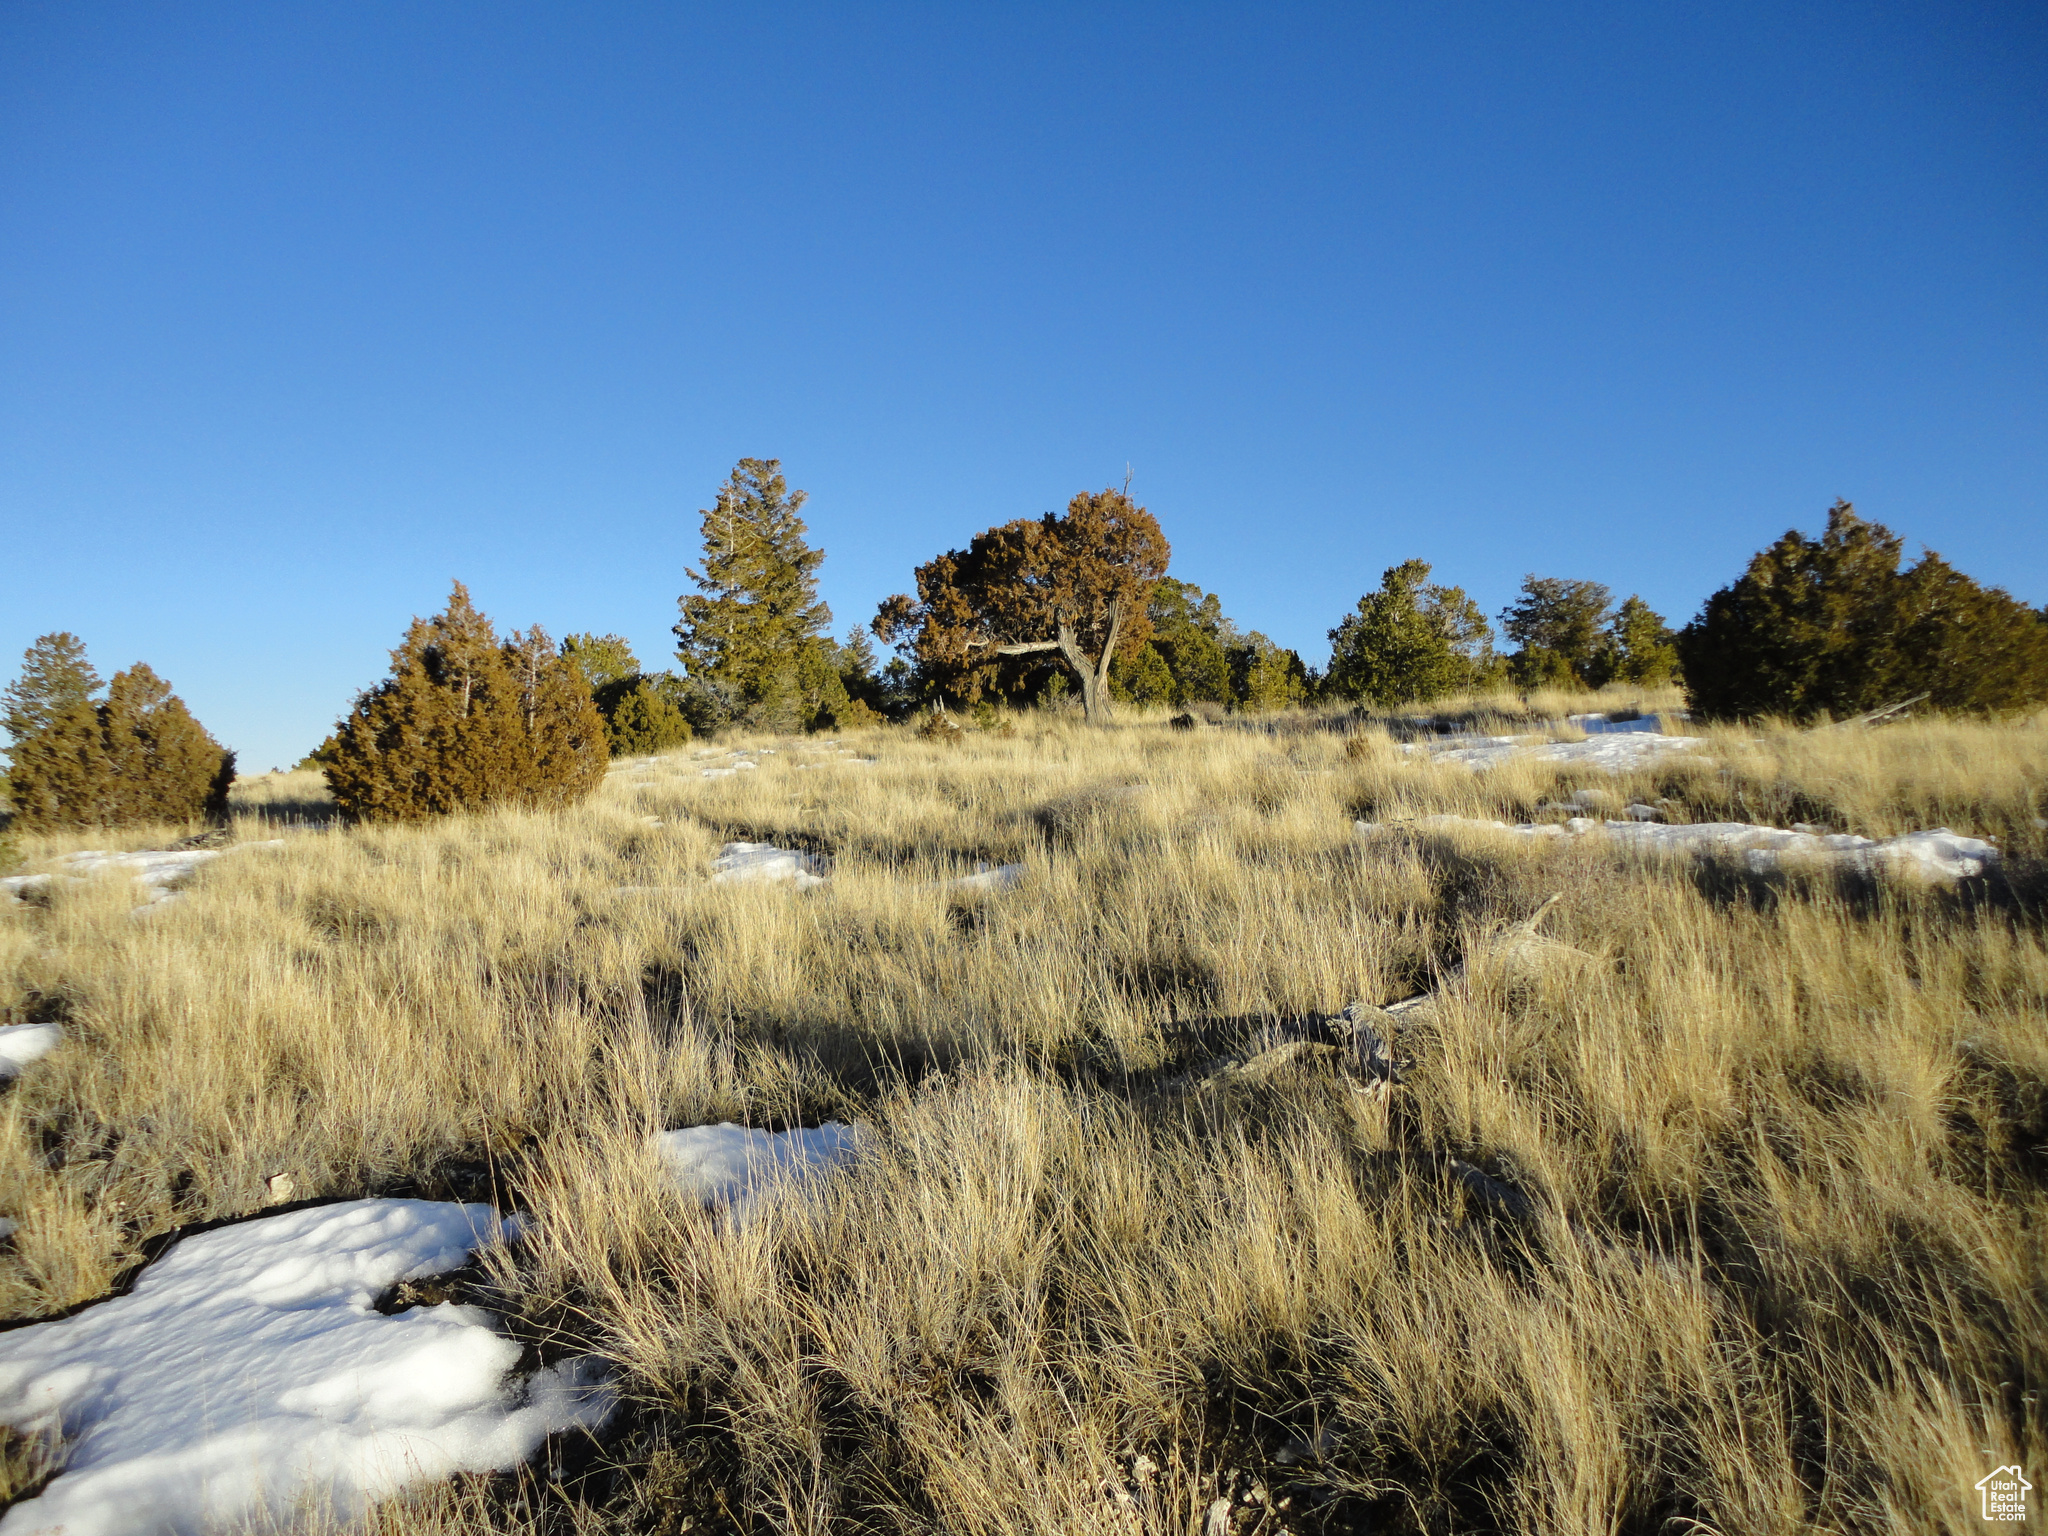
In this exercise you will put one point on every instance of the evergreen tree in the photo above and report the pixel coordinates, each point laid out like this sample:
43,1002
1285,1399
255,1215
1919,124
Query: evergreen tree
138,756
1641,648
749,636
1193,637
162,765
864,685
1966,646
643,711
1560,628
1076,586
55,677
59,776
1832,625
565,740
1410,642
645,719
464,722
602,659
1142,677
1265,676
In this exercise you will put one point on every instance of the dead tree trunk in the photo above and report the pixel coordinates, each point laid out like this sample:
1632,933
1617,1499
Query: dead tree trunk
1093,675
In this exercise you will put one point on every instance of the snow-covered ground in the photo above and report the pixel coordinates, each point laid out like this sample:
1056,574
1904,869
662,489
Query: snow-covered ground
248,1372
1938,854
158,873
1619,749
764,861
21,1044
734,1165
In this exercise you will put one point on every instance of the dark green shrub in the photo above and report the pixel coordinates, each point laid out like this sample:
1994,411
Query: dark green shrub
1833,626
1143,677
641,718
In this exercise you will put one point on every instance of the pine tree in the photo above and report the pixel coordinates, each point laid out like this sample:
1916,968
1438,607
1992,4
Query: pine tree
1641,648
601,659
1833,626
1142,677
1191,633
1410,642
464,722
566,743
1559,627
55,680
59,776
645,720
55,677
162,765
1265,676
752,626
139,756
1966,646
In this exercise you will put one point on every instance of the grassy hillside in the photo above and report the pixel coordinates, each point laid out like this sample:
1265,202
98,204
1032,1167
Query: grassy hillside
1718,1204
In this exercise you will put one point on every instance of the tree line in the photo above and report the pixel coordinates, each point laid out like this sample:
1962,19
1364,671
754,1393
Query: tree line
1072,605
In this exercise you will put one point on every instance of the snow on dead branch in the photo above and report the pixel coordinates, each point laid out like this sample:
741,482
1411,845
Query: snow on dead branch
248,1373
160,873
1938,854
733,1167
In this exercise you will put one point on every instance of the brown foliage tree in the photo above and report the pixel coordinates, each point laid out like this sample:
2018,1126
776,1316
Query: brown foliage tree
1075,585
464,722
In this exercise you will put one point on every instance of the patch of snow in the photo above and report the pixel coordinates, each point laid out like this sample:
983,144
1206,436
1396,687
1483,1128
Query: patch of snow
726,773
1000,878
1938,854
8,1227
248,1371
734,1165
158,872
764,861
21,1044
1618,753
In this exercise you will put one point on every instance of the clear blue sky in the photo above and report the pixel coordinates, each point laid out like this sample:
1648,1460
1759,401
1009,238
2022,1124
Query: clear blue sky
305,310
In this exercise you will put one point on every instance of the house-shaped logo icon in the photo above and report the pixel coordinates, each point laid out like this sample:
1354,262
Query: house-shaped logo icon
2005,1494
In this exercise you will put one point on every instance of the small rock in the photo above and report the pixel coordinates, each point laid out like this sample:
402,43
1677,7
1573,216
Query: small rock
280,1186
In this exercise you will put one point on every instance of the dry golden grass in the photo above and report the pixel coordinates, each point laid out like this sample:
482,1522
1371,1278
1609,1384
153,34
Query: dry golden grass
1770,1156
